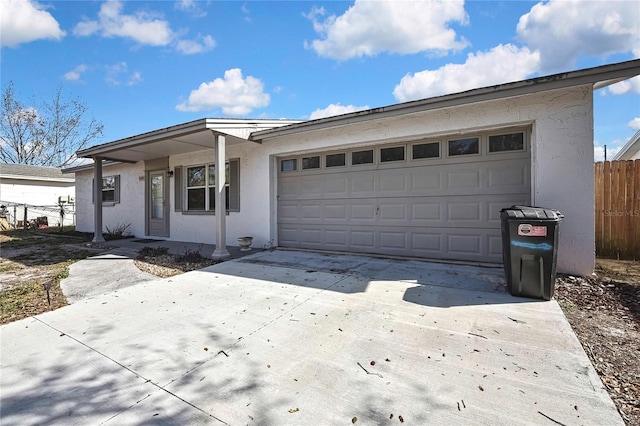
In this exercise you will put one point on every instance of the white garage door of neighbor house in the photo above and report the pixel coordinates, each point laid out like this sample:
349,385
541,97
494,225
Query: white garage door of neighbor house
438,199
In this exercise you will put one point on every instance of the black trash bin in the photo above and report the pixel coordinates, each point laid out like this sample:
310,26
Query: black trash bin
529,250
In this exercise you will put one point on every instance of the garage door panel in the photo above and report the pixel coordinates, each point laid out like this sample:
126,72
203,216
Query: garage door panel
394,240
437,208
426,211
336,185
393,181
288,212
425,179
513,177
392,211
464,243
311,211
363,239
495,245
311,237
336,239
463,180
362,210
426,243
362,184
466,211
288,187
333,211
288,236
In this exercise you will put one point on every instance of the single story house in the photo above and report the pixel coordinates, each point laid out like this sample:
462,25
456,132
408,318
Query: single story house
41,189
631,150
426,178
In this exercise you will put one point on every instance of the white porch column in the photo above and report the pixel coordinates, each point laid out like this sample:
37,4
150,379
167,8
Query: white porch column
221,203
97,200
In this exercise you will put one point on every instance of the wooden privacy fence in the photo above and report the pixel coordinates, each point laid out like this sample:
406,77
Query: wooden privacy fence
617,191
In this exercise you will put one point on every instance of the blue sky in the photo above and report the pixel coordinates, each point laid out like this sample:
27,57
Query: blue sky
140,65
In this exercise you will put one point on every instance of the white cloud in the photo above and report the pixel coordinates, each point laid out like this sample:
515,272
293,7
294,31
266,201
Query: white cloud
190,47
235,94
74,74
371,27
562,30
135,78
247,13
24,21
118,74
191,7
502,64
635,123
142,27
336,109
598,152
631,85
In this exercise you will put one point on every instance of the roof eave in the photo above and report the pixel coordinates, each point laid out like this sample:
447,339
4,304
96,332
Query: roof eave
631,147
217,126
614,72
37,178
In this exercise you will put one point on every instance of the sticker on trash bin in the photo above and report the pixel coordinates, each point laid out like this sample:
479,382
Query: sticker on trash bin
527,230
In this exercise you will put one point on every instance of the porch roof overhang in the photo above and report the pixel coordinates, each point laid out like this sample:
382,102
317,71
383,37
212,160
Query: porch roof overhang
179,139
598,77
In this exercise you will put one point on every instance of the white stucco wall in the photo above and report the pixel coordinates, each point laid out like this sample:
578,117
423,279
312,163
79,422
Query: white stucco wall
562,156
561,124
130,210
43,195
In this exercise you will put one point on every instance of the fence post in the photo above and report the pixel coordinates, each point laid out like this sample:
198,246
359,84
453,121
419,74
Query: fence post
24,222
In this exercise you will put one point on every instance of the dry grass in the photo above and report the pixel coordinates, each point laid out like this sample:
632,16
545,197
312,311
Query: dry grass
32,261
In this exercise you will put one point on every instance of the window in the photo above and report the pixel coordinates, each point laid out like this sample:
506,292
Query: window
362,157
289,165
392,154
508,142
464,146
110,190
426,150
336,160
201,187
311,162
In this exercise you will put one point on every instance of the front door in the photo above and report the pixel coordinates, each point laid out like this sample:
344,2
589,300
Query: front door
157,205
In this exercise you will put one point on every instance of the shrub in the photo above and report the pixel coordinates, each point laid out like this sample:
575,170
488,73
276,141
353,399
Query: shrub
117,232
190,256
153,251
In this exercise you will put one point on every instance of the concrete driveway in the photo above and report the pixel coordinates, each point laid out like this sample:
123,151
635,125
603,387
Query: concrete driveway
289,337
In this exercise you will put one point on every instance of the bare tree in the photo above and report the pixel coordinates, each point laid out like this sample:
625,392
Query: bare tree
45,133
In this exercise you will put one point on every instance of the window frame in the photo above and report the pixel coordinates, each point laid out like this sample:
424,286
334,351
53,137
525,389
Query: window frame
356,151
464,155
232,186
335,154
525,138
116,190
437,142
381,161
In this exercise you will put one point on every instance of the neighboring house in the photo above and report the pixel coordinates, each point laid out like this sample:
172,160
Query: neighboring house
41,189
631,150
426,178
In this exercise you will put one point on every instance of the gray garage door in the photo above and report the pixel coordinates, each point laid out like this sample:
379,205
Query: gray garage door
437,199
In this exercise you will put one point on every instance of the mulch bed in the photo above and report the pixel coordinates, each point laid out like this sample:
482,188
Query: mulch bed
604,312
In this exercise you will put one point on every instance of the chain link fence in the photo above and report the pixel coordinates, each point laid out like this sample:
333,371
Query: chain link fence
28,216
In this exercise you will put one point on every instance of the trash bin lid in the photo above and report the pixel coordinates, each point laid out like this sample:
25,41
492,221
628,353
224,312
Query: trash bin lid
529,212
